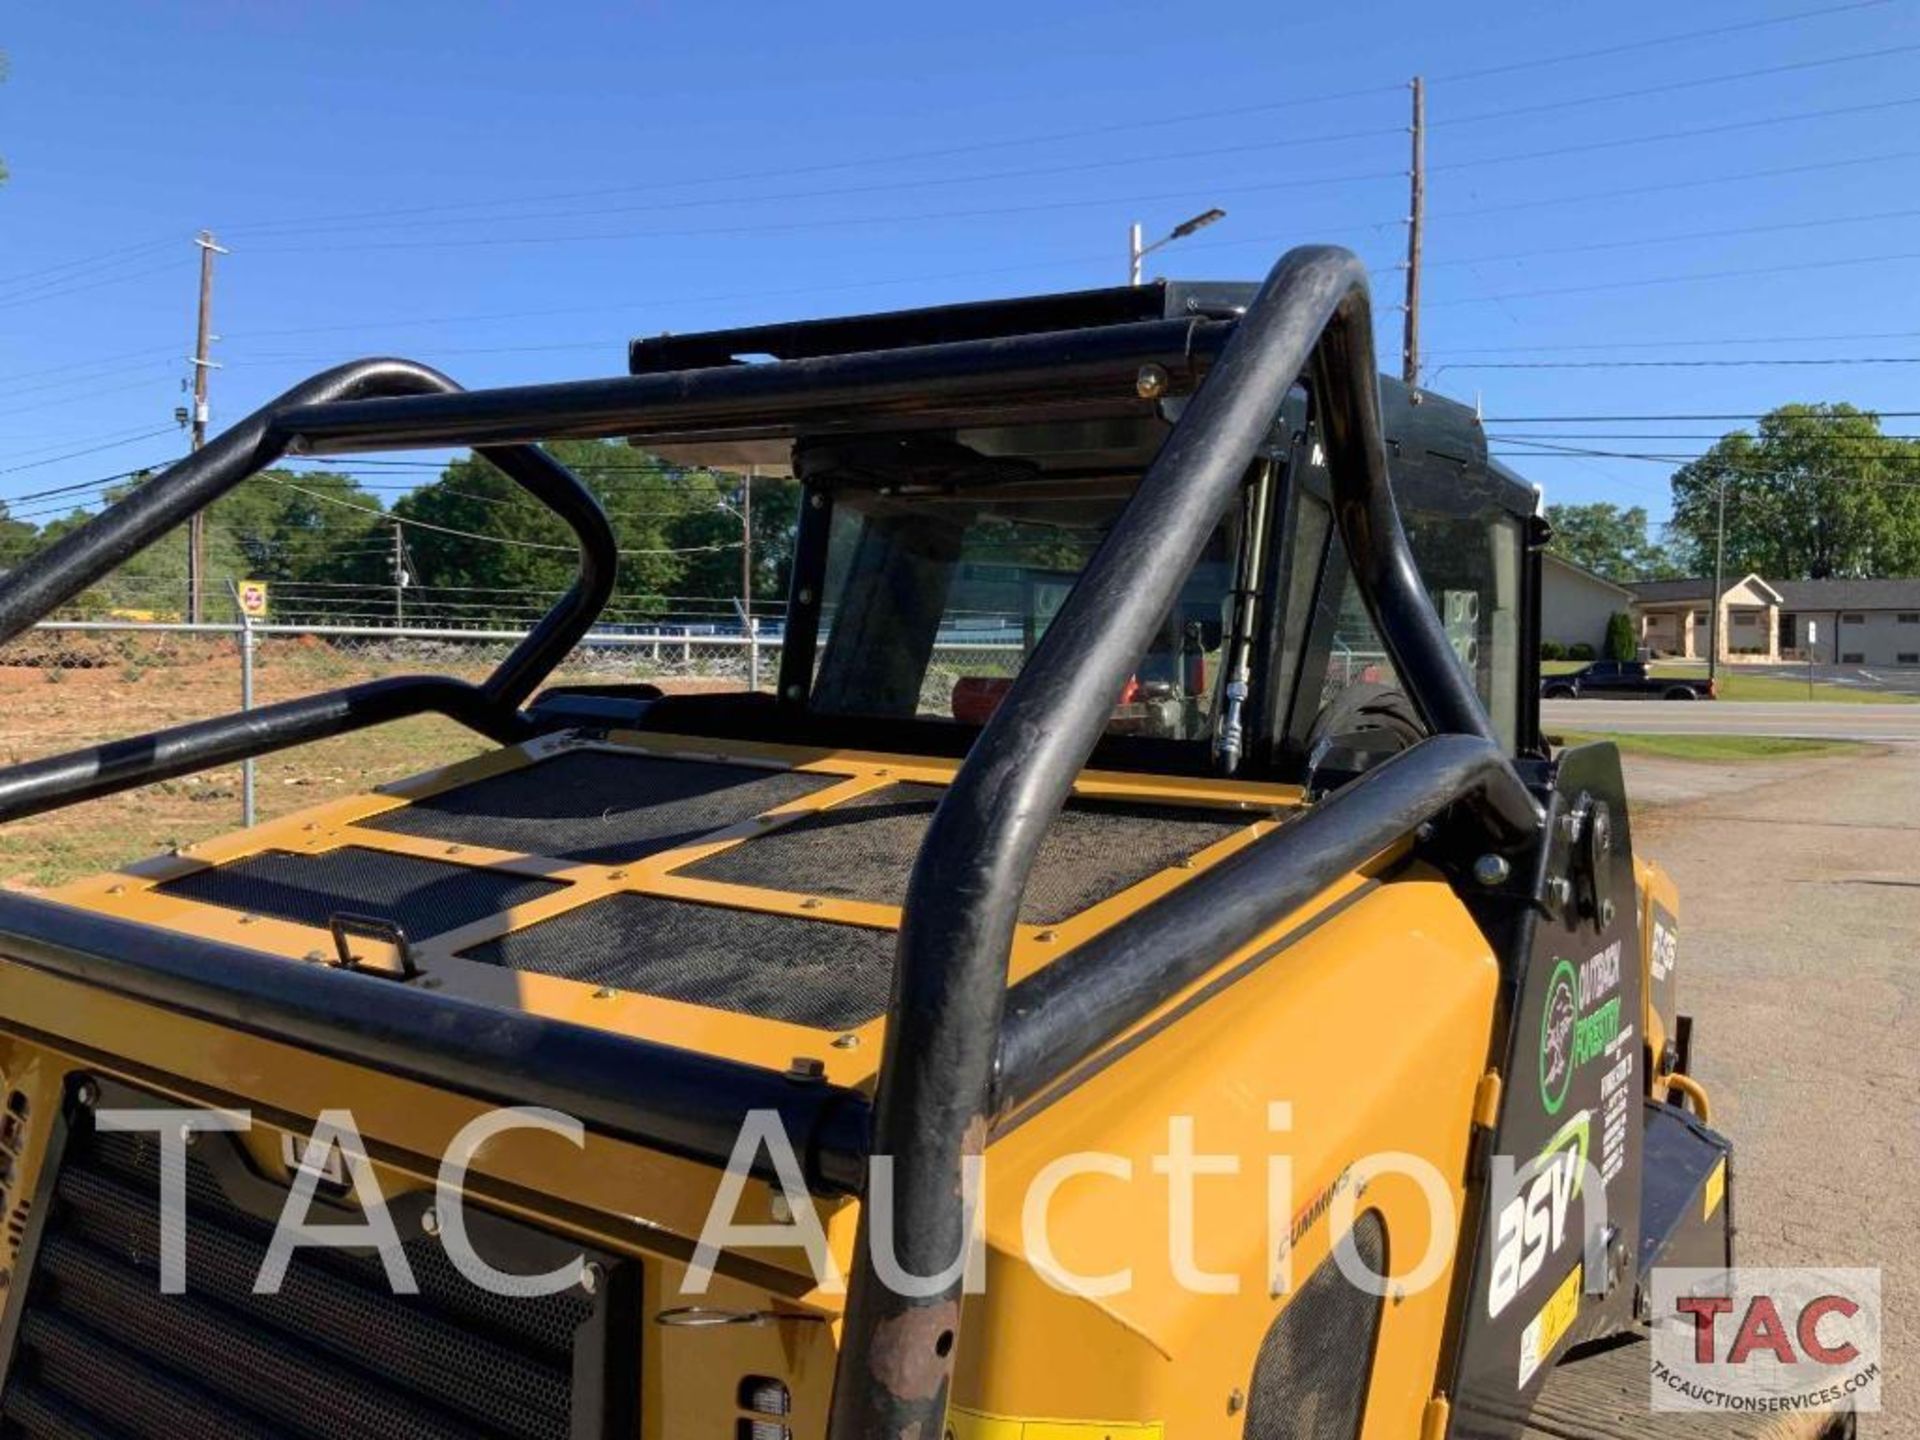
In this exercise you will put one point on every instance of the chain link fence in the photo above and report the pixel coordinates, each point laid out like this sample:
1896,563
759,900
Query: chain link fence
66,684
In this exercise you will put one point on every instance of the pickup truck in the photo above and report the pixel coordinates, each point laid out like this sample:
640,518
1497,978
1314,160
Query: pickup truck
1623,680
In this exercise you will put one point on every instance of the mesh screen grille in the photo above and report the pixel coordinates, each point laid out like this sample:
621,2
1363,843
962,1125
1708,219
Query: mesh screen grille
1310,1382
598,807
864,850
779,967
101,1352
423,897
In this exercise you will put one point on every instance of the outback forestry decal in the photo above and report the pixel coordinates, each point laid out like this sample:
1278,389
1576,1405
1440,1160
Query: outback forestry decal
1581,1022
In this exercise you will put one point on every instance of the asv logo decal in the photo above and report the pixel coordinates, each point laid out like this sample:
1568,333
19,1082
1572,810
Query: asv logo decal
1532,1225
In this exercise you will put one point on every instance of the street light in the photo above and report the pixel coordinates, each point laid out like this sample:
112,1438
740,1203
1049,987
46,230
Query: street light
1136,252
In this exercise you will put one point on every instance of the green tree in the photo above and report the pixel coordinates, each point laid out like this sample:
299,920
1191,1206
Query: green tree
711,537
16,539
1817,492
301,528
1621,642
483,550
1609,541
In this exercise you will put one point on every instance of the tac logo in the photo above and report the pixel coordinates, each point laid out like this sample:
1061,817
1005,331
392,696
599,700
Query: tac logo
1556,1037
1766,1341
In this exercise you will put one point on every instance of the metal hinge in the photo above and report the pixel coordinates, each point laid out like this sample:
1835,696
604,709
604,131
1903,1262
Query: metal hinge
1434,1419
1486,1115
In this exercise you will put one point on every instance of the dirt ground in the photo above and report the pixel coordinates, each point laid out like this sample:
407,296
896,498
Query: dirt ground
55,696
1800,896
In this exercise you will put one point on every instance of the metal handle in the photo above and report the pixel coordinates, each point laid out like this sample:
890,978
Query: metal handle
344,924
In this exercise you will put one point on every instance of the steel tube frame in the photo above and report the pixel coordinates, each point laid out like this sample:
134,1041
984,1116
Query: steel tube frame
934,1101
36,786
70,565
1061,1015
1017,370
936,1095
638,1090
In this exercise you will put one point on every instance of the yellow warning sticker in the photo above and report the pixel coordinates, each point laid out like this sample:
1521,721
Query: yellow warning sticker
965,1424
1715,1191
1556,1317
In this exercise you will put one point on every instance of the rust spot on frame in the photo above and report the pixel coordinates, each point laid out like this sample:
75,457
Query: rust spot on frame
912,1352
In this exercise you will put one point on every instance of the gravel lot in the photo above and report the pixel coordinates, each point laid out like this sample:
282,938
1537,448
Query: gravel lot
1800,912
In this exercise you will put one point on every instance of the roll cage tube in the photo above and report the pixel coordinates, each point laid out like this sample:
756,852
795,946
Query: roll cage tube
69,566
933,1100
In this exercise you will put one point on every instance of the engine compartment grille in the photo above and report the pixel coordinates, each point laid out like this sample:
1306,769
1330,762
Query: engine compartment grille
864,849
777,967
422,897
599,806
94,1348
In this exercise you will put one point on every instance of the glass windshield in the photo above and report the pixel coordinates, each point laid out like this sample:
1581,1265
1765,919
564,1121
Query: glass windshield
934,602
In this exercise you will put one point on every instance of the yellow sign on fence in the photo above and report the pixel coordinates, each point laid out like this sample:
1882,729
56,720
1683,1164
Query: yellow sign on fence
253,598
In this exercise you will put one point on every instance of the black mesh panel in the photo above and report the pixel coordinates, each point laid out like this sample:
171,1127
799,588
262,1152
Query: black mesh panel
102,1352
779,967
864,850
423,897
599,807
1310,1382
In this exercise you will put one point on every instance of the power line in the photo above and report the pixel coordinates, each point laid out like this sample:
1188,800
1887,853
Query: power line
1658,42
865,221
1692,182
1680,237
86,364
90,450
66,400
1687,279
474,535
1677,364
1695,82
123,253
15,302
1660,137
787,226
1077,167
490,207
1686,342
1671,415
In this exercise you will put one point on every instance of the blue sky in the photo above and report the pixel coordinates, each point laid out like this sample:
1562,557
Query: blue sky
510,190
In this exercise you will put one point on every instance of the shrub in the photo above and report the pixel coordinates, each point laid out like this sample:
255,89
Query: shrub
1580,651
1552,650
1621,642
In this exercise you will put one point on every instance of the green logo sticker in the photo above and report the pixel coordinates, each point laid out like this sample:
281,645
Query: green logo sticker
1557,1022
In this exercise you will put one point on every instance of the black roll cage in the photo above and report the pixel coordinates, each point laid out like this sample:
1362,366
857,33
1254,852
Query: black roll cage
962,1051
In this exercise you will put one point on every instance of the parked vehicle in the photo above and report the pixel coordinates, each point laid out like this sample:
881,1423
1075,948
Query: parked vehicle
1624,680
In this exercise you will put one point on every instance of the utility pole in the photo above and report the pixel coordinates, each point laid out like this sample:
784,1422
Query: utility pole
197,527
746,545
1135,253
1416,225
1719,563
399,576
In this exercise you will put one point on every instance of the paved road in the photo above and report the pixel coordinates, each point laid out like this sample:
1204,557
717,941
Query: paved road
1799,928
1904,679
1720,717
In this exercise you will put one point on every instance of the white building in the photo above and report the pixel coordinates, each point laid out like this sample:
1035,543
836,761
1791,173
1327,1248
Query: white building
1576,604
1853,622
